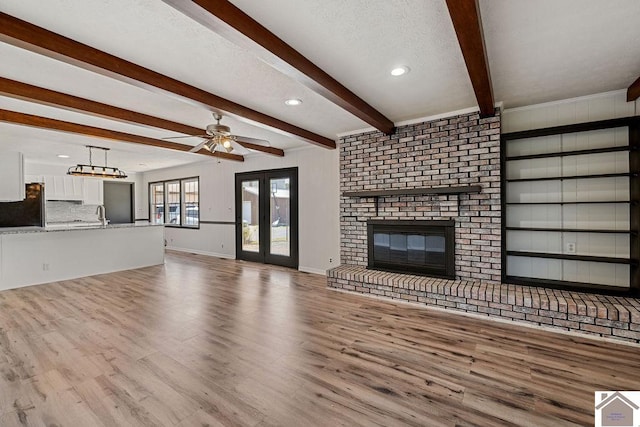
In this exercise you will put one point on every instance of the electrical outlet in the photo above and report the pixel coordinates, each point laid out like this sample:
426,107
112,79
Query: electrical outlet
330,260
571,248
45,267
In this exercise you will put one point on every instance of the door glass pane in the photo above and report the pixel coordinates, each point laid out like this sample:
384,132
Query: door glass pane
250,216
157,203
173,203
279,208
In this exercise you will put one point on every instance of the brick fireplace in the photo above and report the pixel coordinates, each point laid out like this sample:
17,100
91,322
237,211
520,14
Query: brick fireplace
448,171
448,153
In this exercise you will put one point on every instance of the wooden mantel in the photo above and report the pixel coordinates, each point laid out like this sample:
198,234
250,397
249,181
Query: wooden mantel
414,191
423,191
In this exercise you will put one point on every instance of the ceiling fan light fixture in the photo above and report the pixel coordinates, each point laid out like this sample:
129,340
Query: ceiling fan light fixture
219,137
399,71
210,145
293,102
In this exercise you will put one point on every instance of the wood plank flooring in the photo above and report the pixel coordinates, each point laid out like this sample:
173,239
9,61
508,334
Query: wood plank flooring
202,341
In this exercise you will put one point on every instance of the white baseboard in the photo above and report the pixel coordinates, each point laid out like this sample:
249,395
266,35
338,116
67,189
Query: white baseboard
199,252
312,270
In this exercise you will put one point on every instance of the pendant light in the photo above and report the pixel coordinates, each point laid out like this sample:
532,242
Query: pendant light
97,171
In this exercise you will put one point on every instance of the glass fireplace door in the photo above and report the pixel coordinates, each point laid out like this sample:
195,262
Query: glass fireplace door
420,247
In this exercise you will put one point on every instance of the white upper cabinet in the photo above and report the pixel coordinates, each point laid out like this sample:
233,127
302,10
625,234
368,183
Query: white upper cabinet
93,191
71,188
63,187
31,179
12,186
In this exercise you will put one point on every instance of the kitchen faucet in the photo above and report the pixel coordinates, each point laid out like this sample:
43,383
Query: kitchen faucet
102,215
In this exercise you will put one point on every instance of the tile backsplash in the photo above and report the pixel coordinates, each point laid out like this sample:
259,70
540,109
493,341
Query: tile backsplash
60,211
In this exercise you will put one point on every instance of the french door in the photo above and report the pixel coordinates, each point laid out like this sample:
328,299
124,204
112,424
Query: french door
267,217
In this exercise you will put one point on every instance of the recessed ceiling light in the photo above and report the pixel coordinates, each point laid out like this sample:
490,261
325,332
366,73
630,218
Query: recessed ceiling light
398,71
63,156
293,102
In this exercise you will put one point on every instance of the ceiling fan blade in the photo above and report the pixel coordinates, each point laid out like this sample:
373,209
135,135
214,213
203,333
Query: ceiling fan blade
239,149
256,141
199,146
246,143
187,136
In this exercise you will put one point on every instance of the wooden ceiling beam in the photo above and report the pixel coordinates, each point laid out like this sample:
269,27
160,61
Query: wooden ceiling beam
30,120
633,92
31,93
230,22
20,33
465,15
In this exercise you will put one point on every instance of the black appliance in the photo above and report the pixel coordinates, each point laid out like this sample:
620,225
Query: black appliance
28,212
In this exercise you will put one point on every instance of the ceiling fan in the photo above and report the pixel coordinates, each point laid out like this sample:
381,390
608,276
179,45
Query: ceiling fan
218,137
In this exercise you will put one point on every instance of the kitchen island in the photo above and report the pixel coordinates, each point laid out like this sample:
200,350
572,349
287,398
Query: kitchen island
35,255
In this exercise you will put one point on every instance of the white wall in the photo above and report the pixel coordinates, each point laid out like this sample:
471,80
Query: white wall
610,216
319,216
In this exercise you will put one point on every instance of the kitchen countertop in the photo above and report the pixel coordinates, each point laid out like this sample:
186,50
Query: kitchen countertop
23,230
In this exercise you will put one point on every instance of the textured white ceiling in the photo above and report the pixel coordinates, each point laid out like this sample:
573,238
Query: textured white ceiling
538,51
359,41
546,50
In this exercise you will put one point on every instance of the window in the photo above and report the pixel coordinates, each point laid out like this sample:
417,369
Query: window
156,194
190,202
172,201
175,203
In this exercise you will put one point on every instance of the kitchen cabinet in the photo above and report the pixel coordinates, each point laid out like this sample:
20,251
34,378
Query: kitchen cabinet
12,187
93,191
63,187
33,179
72,188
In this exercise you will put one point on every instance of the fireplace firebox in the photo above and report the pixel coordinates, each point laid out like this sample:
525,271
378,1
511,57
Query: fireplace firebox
418,247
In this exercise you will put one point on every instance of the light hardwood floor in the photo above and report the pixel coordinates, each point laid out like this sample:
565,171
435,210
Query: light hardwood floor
202,341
